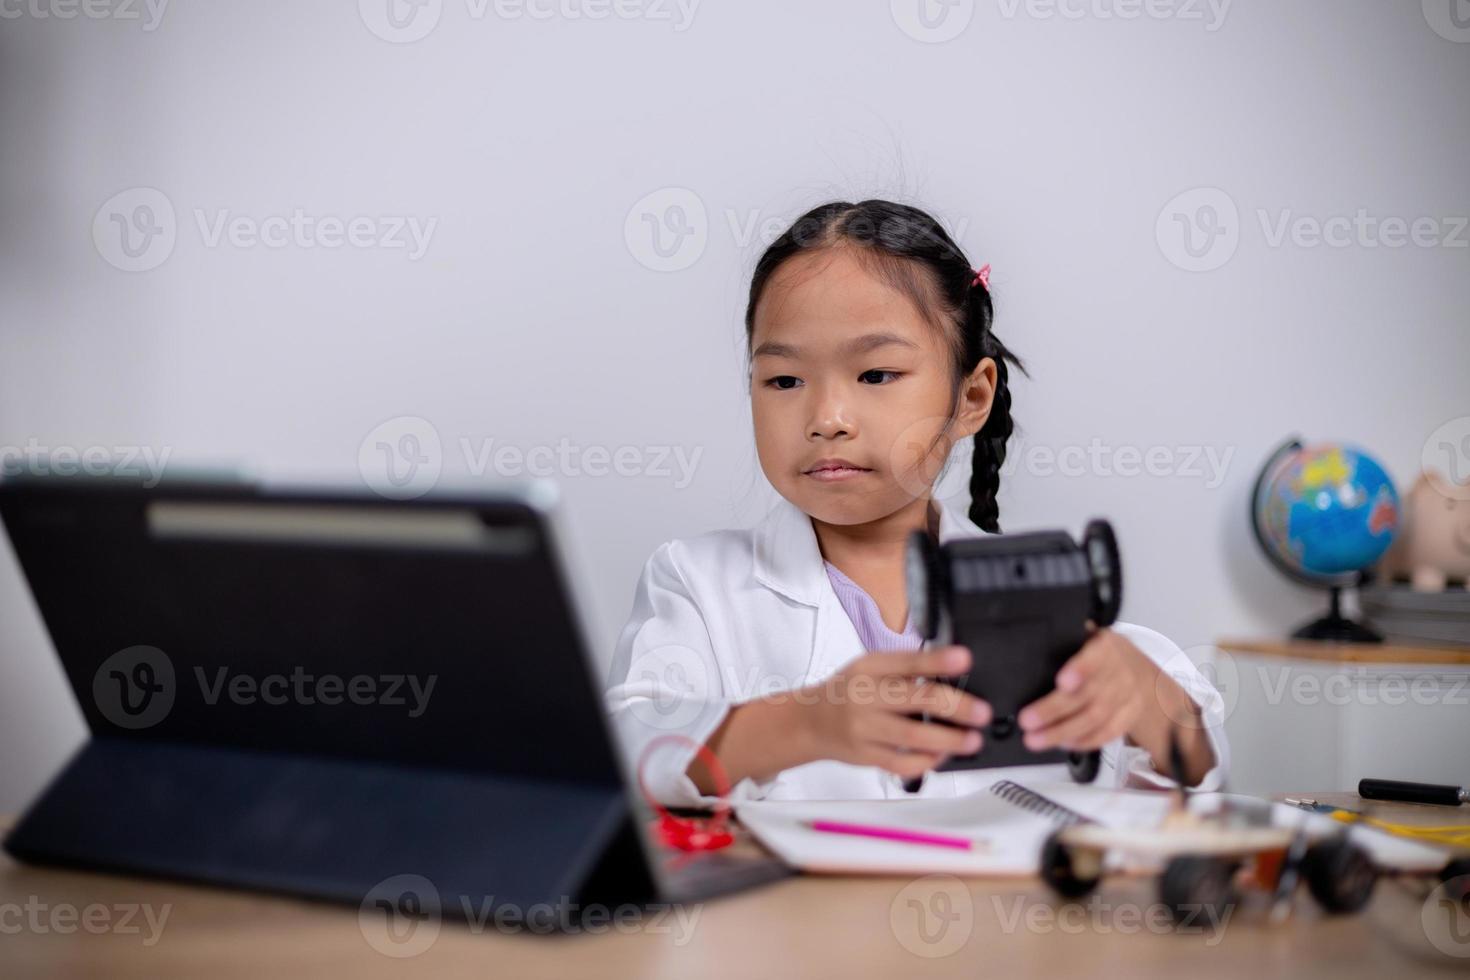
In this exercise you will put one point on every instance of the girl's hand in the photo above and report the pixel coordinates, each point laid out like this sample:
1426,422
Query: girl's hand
1111,689
862,714
1101,692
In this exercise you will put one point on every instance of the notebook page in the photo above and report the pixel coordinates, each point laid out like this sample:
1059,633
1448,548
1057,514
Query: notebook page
1109,807
1014,834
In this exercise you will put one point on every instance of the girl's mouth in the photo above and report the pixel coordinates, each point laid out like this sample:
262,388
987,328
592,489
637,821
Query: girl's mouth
836,472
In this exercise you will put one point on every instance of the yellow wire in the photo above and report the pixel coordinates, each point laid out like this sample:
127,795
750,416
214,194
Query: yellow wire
1455,834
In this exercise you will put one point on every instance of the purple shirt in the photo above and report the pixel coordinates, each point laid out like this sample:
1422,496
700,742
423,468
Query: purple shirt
863,612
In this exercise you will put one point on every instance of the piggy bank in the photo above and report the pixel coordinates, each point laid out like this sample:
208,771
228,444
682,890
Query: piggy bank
1434,545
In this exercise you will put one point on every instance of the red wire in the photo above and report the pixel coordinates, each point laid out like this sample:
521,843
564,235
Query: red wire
721,816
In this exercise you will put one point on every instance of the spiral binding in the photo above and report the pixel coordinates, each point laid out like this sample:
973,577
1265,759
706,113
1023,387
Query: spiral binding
1018,795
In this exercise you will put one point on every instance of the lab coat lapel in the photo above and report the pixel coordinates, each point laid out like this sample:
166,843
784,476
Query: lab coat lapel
788,560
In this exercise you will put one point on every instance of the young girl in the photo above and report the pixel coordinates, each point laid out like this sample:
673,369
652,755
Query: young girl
787,649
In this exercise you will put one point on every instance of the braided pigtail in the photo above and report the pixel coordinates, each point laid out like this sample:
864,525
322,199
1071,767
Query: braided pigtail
990,446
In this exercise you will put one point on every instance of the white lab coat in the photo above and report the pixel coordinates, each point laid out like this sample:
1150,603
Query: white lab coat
729,616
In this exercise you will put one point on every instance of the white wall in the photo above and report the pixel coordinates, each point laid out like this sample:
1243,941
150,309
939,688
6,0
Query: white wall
1052,145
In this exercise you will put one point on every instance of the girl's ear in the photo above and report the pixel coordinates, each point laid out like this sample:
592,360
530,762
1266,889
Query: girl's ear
977,395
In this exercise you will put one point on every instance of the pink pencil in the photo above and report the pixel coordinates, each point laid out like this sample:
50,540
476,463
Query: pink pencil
894,833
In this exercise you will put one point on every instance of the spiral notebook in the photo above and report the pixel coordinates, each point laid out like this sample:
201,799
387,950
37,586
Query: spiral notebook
1012,819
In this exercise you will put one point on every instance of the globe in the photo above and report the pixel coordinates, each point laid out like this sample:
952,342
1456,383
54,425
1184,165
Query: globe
1324,514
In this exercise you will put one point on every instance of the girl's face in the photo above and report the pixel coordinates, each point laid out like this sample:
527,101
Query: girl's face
845,370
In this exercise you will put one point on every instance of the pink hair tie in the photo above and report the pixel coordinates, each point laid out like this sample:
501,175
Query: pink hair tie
982,277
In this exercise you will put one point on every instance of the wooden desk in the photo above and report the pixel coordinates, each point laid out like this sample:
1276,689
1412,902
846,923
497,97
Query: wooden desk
1411,814
808,926
1358,653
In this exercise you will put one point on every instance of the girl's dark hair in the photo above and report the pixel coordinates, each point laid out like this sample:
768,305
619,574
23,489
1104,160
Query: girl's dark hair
914,254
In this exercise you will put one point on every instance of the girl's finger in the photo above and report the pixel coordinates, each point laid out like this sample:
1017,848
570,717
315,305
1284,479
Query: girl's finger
948,661
946,701
904,733
1106,696
1085,663
1119,719
909,765
1098,737
1065,732
1051,709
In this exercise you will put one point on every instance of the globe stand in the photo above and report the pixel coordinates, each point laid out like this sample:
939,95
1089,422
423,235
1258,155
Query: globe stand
1335,627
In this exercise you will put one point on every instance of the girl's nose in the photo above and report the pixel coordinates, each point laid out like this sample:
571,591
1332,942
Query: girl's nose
831,430
831,421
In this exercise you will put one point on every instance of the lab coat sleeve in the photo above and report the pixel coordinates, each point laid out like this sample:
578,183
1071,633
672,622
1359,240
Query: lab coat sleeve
1131,765
665,689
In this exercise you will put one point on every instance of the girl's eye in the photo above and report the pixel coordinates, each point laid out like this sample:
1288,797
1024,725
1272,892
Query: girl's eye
779,382
868,376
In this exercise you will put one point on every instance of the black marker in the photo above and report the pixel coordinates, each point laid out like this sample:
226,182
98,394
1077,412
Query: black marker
1399,792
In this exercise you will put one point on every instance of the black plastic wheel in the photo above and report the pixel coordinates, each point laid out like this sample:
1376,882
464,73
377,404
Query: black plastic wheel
924,583
1067,872
1084,766
1192,885
1339,874
1100,545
